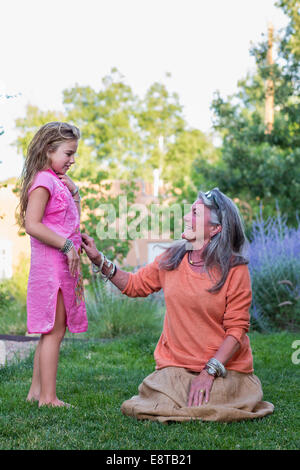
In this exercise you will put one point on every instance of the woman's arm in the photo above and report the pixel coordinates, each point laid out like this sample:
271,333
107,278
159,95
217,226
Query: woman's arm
37,202
144,282
120,278
228,348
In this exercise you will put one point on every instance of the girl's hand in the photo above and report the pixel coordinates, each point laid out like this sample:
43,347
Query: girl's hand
68,182
200,388
73,261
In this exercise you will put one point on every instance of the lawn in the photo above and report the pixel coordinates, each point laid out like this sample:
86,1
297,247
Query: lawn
97,376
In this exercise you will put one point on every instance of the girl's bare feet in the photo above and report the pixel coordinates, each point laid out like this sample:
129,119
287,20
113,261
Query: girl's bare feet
34,393
55,402
32,397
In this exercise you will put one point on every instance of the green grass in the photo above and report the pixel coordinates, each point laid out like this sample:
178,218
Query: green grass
98,376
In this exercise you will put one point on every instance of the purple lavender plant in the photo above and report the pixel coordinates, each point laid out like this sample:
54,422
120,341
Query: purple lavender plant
274,254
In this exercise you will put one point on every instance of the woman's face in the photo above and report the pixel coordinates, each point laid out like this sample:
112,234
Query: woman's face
197,227
63,157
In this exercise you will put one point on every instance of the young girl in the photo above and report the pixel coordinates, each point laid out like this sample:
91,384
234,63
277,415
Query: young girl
50,213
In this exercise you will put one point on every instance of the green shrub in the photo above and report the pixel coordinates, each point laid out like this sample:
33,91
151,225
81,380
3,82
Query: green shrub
5,297
13,301
112,314
12,311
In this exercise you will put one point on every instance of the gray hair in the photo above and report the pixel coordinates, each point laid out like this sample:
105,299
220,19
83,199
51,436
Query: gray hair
225,250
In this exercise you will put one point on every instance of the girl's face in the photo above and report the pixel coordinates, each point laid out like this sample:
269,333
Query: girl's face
63,157
197,227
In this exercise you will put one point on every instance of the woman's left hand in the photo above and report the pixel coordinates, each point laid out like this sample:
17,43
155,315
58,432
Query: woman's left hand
200,388
68,182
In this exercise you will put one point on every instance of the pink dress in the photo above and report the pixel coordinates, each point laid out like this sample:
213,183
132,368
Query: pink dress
49,270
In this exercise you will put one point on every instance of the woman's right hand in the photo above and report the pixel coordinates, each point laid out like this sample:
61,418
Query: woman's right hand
73,261
90,248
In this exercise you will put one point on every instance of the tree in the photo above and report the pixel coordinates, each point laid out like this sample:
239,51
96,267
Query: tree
292,33
108,125
191,147
160,120
35,118
257,166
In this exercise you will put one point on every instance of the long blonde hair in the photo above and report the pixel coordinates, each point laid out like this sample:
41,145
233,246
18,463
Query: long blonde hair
47,139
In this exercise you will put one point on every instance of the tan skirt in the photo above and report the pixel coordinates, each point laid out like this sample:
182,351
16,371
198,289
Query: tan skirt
163,397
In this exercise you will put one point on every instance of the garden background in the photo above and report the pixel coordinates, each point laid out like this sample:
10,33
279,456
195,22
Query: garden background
256,163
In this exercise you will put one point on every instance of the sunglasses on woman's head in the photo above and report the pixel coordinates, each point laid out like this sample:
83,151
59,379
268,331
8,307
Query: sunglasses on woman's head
212,197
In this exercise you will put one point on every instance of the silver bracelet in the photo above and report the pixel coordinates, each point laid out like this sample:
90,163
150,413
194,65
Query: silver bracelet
97,269
211,370
111,273
67,246
214,365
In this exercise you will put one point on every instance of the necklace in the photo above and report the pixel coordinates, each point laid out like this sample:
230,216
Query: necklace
194,263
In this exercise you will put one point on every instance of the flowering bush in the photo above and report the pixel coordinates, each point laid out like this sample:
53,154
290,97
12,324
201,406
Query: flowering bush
275,272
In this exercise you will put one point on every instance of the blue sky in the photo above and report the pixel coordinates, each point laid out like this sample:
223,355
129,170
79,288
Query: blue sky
49,46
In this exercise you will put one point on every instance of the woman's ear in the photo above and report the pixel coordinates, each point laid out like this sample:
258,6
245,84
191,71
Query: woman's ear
216,229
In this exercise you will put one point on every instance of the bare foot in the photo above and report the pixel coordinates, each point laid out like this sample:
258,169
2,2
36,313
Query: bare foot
55,402
32,397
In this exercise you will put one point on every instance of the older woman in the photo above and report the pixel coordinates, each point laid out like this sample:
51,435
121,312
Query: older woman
204,365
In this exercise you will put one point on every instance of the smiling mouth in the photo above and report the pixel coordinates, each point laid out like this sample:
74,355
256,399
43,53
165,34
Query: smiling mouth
188,233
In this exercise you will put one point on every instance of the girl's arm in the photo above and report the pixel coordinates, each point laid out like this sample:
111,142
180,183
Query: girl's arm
37,202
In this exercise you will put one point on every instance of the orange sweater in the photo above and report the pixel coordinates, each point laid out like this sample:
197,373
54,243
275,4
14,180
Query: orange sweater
196,321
